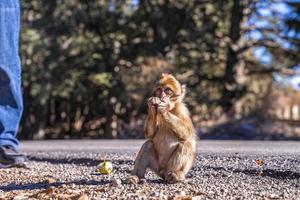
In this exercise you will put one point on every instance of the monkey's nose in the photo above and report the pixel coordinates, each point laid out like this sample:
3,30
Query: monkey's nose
162,95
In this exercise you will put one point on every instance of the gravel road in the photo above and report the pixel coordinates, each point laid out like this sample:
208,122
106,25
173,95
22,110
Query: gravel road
223,170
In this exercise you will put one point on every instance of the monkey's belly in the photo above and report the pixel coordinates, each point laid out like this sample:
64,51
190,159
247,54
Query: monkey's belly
165,144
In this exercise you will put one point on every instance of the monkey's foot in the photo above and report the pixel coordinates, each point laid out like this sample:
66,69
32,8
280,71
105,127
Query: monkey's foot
136,180
173,177
133,179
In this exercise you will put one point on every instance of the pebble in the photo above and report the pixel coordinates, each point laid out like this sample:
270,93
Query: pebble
116,182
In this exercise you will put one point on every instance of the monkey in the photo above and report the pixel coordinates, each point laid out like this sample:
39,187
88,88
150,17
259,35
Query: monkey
170,147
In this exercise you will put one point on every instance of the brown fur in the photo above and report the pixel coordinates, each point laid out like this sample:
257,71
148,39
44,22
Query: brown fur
171,141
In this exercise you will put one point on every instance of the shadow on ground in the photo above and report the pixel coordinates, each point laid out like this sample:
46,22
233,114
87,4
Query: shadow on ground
44,185
77,161
277,174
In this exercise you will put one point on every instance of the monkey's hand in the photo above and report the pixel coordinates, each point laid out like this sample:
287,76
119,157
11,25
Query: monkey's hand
153,102
164,106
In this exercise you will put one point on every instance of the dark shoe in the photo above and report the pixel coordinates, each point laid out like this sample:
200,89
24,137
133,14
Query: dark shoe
10,157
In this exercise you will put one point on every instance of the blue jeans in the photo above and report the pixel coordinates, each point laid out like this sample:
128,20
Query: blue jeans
11,102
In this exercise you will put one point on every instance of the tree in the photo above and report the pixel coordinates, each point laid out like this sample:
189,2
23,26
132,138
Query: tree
89,65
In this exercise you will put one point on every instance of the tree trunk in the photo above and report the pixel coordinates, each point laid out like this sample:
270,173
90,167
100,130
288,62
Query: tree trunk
231,88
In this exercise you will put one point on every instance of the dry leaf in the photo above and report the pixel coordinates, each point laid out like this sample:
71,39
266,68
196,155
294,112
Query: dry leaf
49,190
51,180
259,162
101,190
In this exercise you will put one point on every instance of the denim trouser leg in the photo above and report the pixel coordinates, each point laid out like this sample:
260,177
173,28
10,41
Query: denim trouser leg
11,103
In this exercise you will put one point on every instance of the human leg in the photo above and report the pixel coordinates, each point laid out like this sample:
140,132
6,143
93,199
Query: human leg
11,102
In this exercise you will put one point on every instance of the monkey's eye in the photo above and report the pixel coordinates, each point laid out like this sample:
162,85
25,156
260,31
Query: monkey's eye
168,91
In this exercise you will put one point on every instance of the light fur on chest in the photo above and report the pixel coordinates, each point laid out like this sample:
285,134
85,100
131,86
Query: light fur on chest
165,143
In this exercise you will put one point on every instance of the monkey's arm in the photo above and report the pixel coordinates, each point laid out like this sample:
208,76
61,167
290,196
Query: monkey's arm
151,124
182,128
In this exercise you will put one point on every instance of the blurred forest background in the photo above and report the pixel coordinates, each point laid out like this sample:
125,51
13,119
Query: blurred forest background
89,65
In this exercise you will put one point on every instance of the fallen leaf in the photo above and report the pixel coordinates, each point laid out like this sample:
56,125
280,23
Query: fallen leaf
259,162
49,190
101,190
51,180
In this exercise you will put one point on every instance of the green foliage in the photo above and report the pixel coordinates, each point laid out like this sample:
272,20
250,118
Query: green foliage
89,65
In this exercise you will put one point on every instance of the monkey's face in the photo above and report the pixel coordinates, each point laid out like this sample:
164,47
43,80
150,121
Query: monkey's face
168,90
163,92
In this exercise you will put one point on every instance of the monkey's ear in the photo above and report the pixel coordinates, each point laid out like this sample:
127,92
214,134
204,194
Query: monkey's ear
183,91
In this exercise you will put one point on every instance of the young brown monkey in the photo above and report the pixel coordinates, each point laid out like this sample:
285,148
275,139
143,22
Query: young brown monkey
171,140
